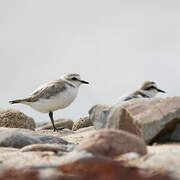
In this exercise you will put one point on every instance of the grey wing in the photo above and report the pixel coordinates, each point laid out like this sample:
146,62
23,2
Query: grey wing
129,98
132,96
49,89
136,94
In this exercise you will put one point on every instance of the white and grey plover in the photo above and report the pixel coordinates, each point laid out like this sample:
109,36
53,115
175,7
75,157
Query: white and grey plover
54,95
148,89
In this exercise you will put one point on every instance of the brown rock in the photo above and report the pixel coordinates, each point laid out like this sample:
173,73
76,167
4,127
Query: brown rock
81,123
13,118
112,143
66,123
121,119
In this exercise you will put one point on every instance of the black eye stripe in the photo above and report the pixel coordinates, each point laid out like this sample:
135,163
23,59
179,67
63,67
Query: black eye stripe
74,78
150,87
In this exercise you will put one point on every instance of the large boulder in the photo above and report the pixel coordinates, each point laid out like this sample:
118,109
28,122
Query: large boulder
155,120
112,143
13,118
81,123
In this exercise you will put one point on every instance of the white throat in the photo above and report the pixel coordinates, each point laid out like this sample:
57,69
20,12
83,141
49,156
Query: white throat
150,93
74,83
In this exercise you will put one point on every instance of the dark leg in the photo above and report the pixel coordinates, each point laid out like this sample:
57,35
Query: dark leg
52,121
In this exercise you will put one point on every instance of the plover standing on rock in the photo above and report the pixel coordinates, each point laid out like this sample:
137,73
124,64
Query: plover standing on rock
148,89
54,95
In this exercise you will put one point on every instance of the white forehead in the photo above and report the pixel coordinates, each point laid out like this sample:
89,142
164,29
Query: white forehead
71,75
151,84
148,84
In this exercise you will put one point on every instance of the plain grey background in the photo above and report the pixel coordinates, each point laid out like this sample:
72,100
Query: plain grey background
114,44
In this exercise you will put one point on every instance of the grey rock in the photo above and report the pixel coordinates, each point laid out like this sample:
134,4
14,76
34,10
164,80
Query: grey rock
18,138
49,139
175,134
13,138
98,114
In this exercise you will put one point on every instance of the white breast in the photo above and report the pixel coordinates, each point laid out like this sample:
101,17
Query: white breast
60,101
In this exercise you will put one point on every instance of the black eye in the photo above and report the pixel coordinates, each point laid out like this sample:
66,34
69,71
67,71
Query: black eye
150,88
74,78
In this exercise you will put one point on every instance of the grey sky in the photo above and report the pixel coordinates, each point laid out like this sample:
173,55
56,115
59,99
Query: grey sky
114,44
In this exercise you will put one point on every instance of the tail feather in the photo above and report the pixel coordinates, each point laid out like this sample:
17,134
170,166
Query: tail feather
15,101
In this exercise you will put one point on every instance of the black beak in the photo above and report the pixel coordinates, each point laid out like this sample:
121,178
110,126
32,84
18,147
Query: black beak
84,82
159,90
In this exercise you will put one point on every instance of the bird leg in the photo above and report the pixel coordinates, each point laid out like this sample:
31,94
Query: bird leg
52,121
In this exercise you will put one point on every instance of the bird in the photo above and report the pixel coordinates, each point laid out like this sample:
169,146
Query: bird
148,89
54,95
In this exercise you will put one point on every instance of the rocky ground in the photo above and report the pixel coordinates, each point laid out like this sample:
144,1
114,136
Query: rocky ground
138,139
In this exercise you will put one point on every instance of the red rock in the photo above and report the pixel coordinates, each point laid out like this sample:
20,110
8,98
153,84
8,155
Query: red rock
21,174
107,169
112,143
14,174
96,168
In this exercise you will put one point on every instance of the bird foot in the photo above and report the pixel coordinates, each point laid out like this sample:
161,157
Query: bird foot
58,129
